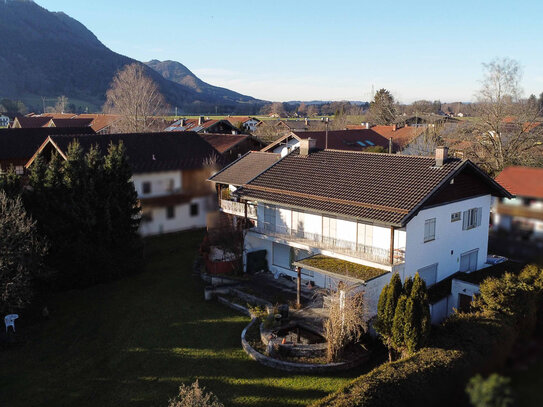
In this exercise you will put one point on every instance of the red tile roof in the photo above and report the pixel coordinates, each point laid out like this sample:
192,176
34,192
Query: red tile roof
223,142
522,181
72,122
31,122
401,136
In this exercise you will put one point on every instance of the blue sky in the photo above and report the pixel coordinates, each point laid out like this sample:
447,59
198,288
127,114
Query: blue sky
304,50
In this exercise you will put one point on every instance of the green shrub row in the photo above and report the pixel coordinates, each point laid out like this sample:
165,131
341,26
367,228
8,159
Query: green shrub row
463,345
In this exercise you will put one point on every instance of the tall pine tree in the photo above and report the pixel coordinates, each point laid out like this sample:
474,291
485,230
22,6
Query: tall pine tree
386,308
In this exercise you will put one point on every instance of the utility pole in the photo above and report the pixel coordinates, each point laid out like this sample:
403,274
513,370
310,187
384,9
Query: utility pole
326,138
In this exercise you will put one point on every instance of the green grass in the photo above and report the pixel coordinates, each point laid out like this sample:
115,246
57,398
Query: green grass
134,341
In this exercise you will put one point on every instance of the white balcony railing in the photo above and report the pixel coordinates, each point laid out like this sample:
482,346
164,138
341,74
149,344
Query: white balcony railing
354,249
238,208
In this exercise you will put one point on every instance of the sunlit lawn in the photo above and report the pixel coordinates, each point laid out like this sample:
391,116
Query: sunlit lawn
133,342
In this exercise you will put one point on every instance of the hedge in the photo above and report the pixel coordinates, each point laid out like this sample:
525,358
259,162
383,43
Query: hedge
436,375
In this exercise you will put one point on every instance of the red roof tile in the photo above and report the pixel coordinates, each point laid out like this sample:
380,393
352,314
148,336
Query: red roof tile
522,181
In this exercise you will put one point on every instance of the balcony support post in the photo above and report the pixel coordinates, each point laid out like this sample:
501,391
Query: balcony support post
391,245
299,288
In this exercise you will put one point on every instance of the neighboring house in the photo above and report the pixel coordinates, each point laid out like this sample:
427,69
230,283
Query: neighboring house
351,140
247,123
524,212
232,146
300,125
100,123
4,121
17,146
169,174
31,122
325,216
203,125
424,120
401,136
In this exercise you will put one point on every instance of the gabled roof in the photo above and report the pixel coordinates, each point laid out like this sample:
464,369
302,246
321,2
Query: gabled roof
234,120
245,168
223,142
193,125
147,152
100,121
382,188
401,136
522,181
351,140
31,122
72,122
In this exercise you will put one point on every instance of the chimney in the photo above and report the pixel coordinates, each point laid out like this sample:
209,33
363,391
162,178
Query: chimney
200,120
442,154
390,145
306,121
393,127
367,125
182,123
307,145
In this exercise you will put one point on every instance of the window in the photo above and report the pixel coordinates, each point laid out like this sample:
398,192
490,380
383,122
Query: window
19,170
455,216
472,218
146,187
428,274
269,218
170,212
194,209
169,185
429,230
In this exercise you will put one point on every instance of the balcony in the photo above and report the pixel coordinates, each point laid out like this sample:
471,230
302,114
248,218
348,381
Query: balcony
238,208
349,248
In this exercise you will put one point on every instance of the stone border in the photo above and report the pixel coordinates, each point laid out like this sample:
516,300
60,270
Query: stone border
295,367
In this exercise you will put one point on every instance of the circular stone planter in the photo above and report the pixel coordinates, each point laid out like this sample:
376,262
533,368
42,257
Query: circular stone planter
296,367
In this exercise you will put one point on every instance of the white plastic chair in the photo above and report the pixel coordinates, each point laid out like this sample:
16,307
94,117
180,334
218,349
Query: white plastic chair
9,320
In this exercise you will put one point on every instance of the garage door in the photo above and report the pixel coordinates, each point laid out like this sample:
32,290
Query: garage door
468,261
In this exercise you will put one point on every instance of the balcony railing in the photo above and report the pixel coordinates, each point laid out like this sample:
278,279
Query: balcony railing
354,249
238,208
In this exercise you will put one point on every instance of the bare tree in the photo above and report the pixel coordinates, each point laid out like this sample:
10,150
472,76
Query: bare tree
347,320
194,396
505,132
136,98
62,102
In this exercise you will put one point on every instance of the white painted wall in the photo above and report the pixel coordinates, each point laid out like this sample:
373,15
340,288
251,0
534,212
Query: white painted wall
285,149
182,220
449,238
160,182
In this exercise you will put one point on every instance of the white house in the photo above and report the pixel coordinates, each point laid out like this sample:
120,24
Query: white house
169,174
326,216
4,121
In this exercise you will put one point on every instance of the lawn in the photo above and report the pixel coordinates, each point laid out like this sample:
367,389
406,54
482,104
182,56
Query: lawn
134,341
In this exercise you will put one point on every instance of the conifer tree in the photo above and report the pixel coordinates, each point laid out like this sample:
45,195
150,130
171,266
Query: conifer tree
386,308
398,325
417,316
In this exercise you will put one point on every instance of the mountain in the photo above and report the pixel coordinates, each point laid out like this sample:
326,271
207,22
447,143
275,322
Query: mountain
48,54
179,73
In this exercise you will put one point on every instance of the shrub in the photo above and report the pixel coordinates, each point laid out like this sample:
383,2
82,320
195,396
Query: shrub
495,391
194,396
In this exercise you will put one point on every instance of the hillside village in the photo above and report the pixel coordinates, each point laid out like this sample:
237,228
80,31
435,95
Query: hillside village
187,245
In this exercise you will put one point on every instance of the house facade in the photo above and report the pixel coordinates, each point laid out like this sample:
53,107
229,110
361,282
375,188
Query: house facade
169,175
4,121
203,125
524,212
325,216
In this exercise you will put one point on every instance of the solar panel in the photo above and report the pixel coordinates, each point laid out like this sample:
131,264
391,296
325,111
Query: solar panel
370,143
361,143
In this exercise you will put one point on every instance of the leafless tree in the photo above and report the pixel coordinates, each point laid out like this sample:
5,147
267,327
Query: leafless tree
505,131
194,396
136,98
347,319
62,102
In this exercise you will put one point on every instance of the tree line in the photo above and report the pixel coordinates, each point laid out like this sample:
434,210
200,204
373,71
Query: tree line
74,224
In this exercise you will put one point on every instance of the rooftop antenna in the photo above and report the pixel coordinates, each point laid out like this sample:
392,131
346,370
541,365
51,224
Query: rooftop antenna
326,138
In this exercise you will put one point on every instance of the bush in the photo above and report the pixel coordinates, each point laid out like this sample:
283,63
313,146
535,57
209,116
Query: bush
495,391
194,396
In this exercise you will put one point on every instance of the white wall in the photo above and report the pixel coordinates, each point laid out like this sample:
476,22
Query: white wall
160,182
460,287
450,242
181,221
285,149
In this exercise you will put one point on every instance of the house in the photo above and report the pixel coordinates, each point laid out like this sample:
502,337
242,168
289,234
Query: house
17,146
4,121
169,174
100,123
232,146
324,216
203,125
424,120
31,122
401,136
300,125
352,140
245,123
524,212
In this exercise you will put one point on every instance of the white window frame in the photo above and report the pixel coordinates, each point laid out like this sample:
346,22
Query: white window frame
456,216
429,234
472,218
